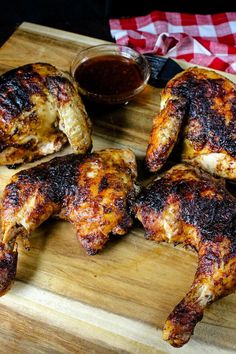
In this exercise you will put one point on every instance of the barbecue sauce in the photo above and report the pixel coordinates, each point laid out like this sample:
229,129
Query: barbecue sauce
109,75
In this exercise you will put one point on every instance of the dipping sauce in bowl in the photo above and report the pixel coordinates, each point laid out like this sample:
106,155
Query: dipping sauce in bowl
110,74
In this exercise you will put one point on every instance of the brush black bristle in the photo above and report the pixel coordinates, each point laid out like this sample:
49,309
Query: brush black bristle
162,70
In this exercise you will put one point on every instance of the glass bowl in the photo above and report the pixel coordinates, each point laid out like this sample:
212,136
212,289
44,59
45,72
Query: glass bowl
110,73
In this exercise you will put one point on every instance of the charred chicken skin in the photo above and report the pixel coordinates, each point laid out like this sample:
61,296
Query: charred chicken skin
188,206
93,191
200,105
40,110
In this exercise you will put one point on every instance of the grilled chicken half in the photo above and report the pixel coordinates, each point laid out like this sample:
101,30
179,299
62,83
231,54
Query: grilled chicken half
200,105
190,207
95,192
40,110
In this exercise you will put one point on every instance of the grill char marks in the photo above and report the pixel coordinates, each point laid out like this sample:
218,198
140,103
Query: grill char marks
56,178
8,263
58,86
203,204
210,214
208,103
16,88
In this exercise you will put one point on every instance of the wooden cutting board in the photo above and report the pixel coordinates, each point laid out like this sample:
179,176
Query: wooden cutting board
64,301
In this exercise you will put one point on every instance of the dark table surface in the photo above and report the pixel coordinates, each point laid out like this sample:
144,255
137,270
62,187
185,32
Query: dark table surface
90,17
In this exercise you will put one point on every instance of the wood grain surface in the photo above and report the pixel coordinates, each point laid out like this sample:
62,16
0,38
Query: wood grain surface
64,301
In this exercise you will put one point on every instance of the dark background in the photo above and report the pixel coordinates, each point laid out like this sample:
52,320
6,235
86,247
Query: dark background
90,17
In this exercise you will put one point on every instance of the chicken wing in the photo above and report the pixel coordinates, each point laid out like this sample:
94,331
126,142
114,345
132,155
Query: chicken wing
40,110
201,105
94,192
187,206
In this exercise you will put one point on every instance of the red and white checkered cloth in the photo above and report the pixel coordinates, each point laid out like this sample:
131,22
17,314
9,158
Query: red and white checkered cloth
207,40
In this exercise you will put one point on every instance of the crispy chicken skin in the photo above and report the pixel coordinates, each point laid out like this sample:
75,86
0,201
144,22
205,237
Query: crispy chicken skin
95,192
40,110
188,206
200,104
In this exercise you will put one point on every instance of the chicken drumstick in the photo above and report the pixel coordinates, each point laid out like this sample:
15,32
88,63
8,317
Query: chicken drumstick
190,207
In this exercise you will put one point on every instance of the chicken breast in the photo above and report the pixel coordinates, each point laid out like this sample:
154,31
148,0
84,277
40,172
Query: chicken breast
40,111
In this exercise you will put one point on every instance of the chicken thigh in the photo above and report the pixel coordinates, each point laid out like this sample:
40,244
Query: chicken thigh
200,105
188,206
94,192
40,110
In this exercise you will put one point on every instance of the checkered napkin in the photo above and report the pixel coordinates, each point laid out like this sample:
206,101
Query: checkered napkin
207,40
